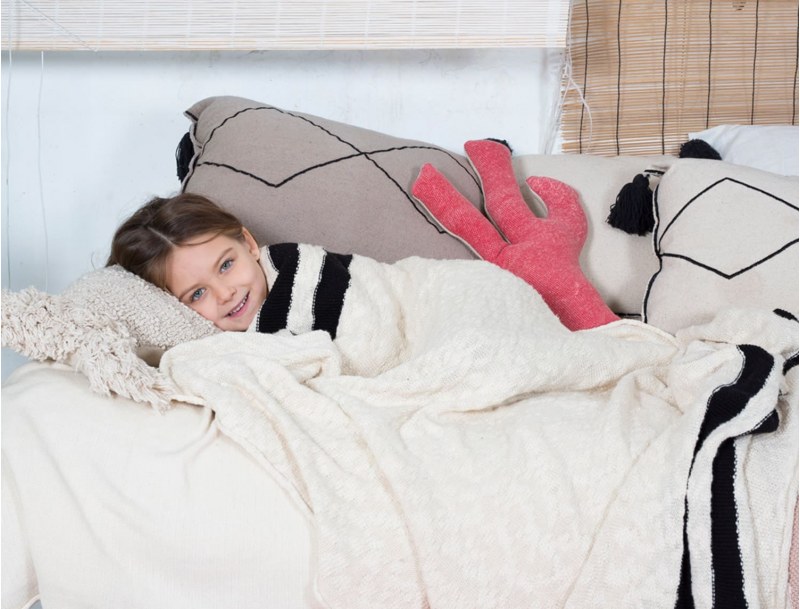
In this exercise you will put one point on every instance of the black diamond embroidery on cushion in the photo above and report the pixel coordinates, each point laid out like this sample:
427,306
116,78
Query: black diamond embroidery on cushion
348,151
341,151
729,228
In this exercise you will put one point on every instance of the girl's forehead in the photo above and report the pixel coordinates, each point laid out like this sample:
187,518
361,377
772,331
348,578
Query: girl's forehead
203,239
192,261
201,248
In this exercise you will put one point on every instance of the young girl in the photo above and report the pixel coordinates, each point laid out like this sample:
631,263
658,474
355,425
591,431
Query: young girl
206,258
200,253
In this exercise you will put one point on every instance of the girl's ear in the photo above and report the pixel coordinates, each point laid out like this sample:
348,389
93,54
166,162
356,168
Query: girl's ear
251,243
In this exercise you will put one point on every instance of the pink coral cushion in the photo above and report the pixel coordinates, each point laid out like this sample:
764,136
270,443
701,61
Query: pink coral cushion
543,251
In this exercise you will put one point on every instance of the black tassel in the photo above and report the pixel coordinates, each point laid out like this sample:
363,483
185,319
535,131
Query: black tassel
633,210
698,149
183,156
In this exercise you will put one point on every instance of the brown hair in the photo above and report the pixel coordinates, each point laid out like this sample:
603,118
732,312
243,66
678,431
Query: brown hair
144,241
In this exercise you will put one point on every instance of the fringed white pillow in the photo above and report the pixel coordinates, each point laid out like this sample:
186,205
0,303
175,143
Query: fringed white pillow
103,325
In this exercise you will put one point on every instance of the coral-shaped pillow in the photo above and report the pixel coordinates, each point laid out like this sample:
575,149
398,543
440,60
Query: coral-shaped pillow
100,325
542,251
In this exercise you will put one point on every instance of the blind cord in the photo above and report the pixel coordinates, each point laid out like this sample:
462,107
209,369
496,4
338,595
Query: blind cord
6,133
41,181
569,84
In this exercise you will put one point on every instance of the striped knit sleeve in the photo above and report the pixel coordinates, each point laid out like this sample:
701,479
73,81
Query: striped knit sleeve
309,290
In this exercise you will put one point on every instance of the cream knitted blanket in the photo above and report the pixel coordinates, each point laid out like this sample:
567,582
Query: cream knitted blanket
457,447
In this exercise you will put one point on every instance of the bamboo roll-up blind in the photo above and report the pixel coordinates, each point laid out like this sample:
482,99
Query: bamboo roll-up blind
645,73
281,24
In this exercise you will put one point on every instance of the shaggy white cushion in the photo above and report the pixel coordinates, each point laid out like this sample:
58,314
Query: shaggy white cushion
103,325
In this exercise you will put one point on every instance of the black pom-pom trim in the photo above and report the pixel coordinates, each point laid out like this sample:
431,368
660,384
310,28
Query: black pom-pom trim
183,156
698,149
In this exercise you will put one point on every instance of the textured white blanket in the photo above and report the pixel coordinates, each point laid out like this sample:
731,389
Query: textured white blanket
458,448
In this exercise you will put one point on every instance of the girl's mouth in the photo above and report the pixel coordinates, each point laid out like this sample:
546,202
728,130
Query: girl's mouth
240,307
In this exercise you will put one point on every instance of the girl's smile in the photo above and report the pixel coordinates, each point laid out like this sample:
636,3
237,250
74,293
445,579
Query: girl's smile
219,277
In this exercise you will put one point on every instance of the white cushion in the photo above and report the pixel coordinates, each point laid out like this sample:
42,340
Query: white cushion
120,506
769,147
726,236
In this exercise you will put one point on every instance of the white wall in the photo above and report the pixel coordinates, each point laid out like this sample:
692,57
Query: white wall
87,137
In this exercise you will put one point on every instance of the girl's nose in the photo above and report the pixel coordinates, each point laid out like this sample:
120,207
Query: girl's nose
225,293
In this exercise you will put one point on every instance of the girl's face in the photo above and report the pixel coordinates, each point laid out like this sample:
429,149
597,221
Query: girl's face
220,278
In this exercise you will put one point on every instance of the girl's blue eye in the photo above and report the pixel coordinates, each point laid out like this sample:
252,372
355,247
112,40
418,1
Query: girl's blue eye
196,294
226,265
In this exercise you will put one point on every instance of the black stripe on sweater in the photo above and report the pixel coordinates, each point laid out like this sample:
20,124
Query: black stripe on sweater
274,313
329,297
726,561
